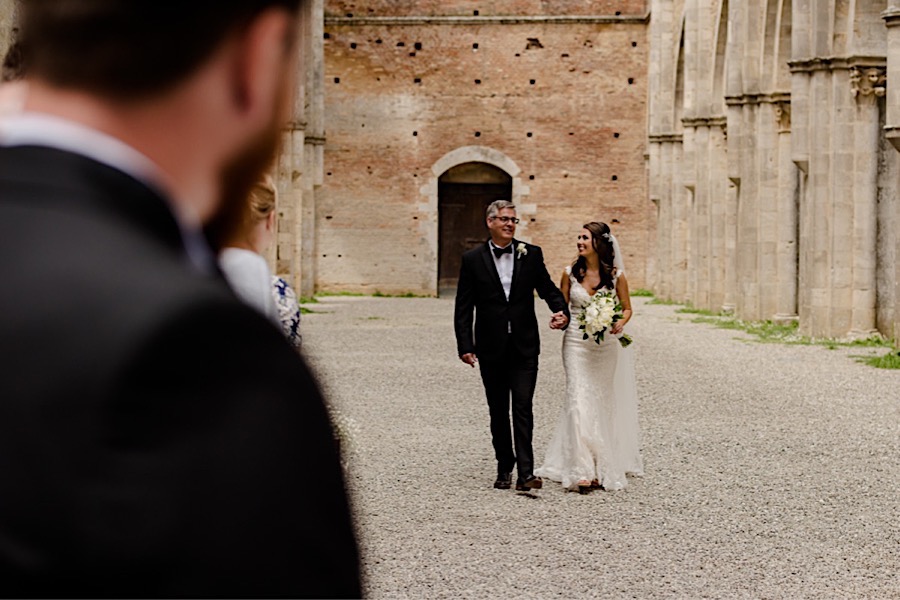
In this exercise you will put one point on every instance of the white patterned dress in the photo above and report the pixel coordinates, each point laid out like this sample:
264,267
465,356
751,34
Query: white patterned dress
597,435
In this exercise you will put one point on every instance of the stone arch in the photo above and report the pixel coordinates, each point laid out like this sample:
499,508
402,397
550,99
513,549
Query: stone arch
429,227
720,47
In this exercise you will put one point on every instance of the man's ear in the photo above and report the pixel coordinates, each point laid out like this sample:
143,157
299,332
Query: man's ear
262,61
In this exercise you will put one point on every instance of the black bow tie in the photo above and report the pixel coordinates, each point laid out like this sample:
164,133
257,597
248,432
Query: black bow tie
498,252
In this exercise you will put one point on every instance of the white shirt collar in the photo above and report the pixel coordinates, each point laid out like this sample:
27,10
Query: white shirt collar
39,129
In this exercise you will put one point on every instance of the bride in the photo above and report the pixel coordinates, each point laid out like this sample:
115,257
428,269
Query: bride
597,439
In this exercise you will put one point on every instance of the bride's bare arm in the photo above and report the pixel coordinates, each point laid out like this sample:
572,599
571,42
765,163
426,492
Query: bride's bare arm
625,301
564,286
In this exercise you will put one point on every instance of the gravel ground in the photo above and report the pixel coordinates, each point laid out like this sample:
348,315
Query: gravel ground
772,470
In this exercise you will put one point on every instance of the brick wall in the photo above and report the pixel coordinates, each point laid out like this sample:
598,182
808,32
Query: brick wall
568,107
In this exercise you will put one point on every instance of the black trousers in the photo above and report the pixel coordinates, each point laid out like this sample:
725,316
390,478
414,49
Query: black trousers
511,381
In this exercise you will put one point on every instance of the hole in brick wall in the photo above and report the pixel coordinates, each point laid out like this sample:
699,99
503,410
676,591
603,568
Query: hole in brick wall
353,45
588,44
414,255
616,134
565,175
618,13
415,174
327,36
412,53
630,80
477,134
417,80
340,256
378,41
571,133
477,82
475,46
475,12
349,15
415,133
378,79
324,256
615,177
529,134
337,79
532,81
328,217
363,124
634,44
614,221
533,219
415,219
401,44
418,45
328,173
518,55
533,44
565,55
531,177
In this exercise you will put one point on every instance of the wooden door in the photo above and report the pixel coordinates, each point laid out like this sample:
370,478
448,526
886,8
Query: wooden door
462,223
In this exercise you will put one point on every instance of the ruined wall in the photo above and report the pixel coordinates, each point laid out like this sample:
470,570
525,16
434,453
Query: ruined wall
772,160
7,23
560,102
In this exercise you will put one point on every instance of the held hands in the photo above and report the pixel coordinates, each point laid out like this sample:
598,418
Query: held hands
559,320
469,358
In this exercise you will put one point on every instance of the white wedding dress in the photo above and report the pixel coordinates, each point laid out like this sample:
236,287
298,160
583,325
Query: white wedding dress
597,435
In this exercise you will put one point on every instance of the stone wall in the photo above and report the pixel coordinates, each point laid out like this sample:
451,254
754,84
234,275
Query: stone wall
412,89
775,181
7,24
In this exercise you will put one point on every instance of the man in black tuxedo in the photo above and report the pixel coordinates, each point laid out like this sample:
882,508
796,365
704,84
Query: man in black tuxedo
157,436
497,280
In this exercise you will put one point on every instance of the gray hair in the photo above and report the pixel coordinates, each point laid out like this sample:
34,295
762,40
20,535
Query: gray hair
498,205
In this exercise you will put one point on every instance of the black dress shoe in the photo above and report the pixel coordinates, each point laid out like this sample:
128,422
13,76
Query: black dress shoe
504,481
529,483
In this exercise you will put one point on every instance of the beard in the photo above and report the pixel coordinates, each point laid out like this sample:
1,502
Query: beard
236,179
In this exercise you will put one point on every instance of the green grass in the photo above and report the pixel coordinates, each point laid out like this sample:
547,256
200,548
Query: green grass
641,292
378,294
891,360
306,311
326,294
308,300
665,302
787,333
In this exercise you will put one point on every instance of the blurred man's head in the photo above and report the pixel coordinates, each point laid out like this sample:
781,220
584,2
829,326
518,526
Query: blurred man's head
222,70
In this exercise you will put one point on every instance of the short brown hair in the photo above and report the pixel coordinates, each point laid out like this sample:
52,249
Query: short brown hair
129,48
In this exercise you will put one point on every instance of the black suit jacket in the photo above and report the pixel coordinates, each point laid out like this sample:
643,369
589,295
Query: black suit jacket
498,321
157,437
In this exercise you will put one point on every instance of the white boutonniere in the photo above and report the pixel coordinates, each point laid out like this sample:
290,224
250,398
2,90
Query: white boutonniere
521,250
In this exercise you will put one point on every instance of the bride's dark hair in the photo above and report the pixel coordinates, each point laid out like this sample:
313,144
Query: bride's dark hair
602,245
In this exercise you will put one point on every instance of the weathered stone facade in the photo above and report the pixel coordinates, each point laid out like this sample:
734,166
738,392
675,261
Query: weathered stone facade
770,161
553,95
8,10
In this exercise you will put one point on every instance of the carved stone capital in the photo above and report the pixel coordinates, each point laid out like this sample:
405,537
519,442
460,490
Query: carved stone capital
782,115
867,81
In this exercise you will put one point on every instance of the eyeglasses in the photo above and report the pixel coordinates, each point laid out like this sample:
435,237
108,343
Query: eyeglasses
506,220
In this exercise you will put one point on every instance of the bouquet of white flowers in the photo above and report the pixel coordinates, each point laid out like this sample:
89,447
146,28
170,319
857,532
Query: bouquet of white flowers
599,315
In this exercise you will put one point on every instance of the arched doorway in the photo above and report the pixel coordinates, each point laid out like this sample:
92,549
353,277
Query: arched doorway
464,192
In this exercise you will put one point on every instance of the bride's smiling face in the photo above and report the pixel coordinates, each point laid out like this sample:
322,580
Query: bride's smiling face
585,243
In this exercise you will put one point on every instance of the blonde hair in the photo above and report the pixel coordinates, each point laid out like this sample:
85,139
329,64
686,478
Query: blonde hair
262,200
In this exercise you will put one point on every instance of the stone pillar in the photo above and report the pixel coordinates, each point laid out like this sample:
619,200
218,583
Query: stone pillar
718,210
891,18
868,87
299,166
788,194
314,146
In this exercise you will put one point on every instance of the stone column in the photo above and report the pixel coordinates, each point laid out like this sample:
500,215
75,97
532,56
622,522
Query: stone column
788,192
718,207
891,18
867,86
